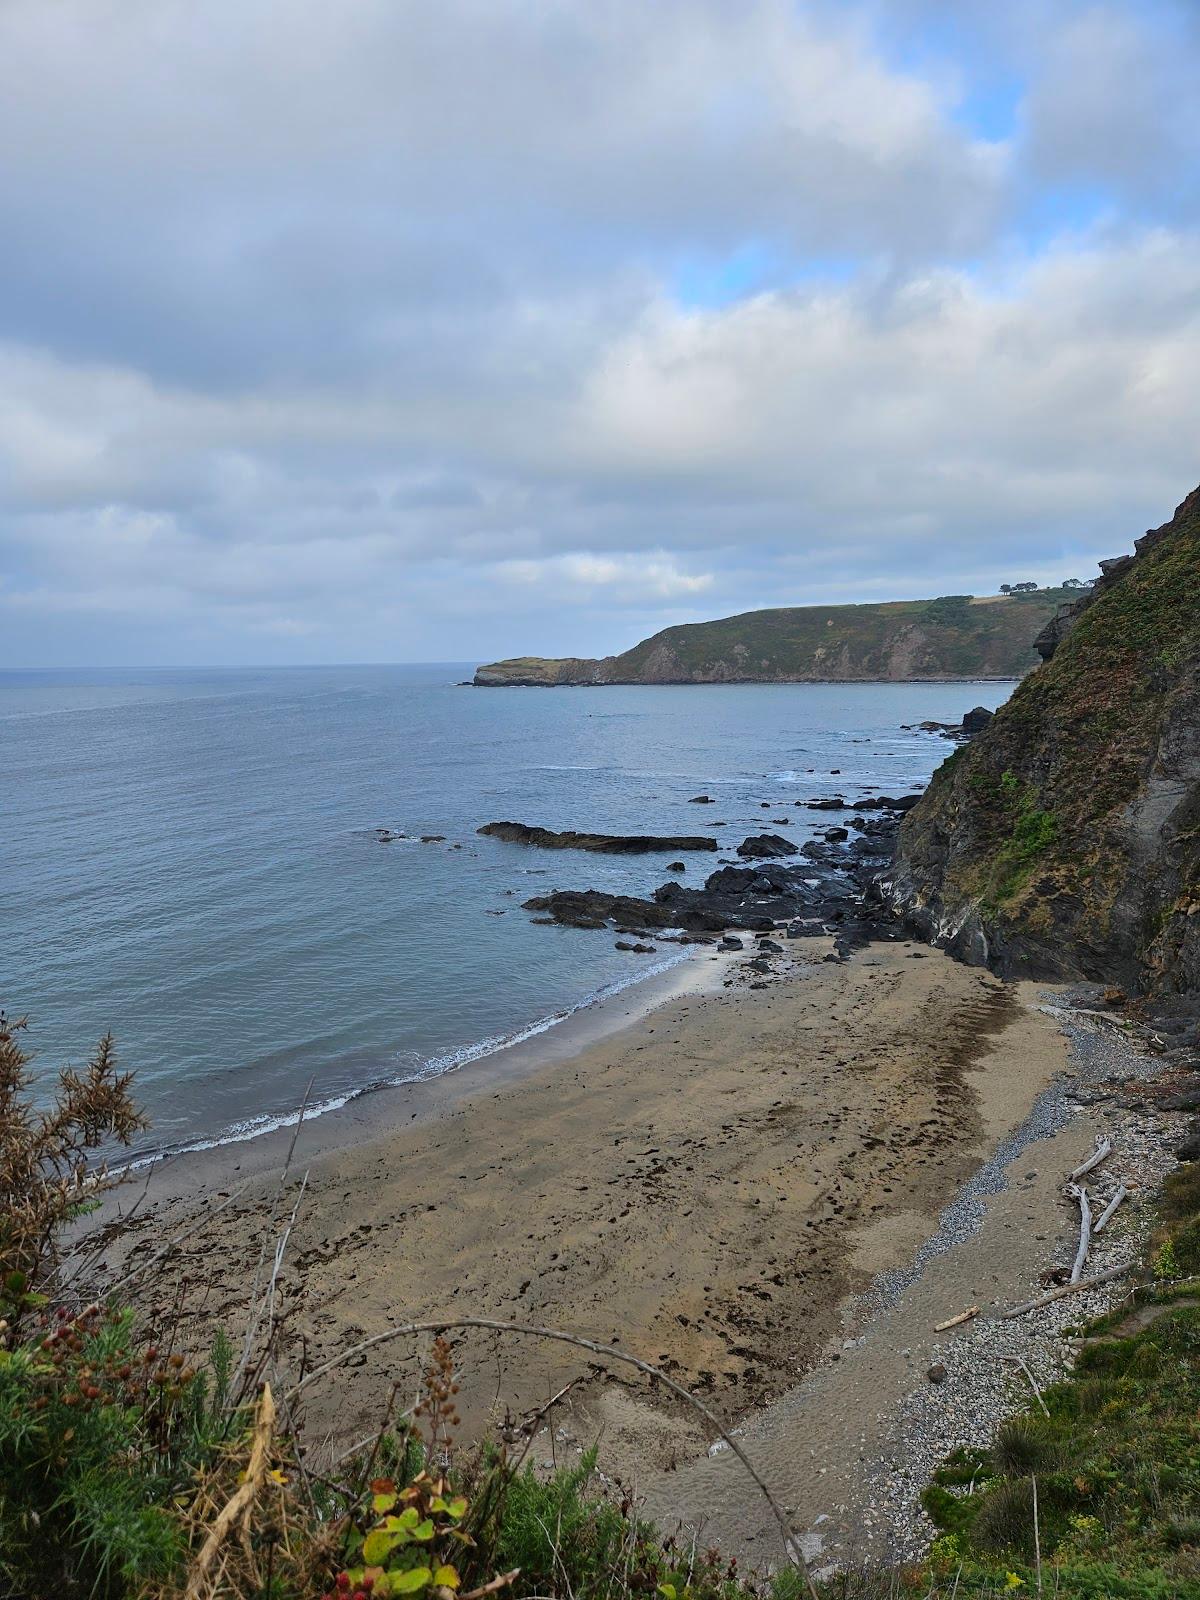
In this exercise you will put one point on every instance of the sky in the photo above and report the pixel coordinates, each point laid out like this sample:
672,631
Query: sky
444,330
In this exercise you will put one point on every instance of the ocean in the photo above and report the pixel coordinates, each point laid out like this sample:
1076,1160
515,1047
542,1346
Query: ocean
189,859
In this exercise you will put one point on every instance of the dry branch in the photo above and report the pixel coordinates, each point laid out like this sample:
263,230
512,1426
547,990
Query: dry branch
1066,1289
527,1330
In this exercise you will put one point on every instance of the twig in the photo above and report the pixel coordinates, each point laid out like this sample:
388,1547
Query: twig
1037,1537
527,1330
1102,1221
502,1582
256,1307
529,1421
1066,1289
1101,1153
1020,1361
953,1322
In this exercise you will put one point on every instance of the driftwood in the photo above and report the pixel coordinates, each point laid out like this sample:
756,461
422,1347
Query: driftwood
1101,1153
1066,1289
1102,1221
953,1322
1079,1192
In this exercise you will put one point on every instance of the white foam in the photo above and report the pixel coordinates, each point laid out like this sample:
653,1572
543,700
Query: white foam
435,1067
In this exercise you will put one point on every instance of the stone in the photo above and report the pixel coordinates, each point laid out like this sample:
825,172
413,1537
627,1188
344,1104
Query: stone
936,1373
766,846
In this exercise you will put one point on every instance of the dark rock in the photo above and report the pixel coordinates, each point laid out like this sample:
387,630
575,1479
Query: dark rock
936,1373
835,835
976,720
730,943
637,949
702,800
676,866
1186,1100
433,838
1189,1150
770,946
620,844
759,964
766,845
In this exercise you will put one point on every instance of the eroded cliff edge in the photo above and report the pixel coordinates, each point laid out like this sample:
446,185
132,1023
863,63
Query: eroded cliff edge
1065,840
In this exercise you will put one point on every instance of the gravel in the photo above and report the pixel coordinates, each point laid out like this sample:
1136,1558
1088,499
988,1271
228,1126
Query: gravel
982,1384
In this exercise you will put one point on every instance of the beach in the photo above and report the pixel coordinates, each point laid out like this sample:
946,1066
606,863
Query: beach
704,1186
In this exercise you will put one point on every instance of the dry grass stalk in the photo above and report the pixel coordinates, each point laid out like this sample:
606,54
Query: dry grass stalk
237,1509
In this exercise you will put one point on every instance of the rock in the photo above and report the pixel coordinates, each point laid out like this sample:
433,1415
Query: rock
976,721
637,949
770,946
702,800
836,835
1189,1150
1186,1100
836,804
730,943
676,866
759,964
766,846
433,838
621,844
936,1373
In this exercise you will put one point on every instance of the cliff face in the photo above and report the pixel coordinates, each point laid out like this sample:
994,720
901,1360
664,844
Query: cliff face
953,637
1065,840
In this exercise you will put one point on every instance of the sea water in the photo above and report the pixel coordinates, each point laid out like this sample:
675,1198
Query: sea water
190,861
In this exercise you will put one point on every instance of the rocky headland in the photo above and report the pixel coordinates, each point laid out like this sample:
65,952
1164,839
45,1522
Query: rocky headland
953,637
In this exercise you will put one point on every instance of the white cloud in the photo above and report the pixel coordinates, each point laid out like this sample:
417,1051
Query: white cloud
374,330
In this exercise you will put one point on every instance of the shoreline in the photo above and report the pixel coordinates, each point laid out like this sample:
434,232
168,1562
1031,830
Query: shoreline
380,1108
706,1186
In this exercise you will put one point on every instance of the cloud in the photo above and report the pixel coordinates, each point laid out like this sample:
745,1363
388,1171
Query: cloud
467,328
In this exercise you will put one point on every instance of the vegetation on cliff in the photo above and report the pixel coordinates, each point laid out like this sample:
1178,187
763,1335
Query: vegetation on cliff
1065,839
956,636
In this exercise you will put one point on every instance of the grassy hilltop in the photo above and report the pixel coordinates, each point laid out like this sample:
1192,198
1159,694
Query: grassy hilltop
956,636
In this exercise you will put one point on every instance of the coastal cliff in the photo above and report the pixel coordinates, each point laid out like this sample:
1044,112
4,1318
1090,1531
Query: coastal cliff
954,637
1065,840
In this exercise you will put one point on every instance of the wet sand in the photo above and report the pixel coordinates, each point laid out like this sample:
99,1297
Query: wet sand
703,1188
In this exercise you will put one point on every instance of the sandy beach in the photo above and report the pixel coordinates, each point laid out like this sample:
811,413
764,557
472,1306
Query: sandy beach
702,1187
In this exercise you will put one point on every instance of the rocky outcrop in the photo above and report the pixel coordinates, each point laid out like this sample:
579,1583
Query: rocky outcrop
831,890
1064,840
614,844
954,637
